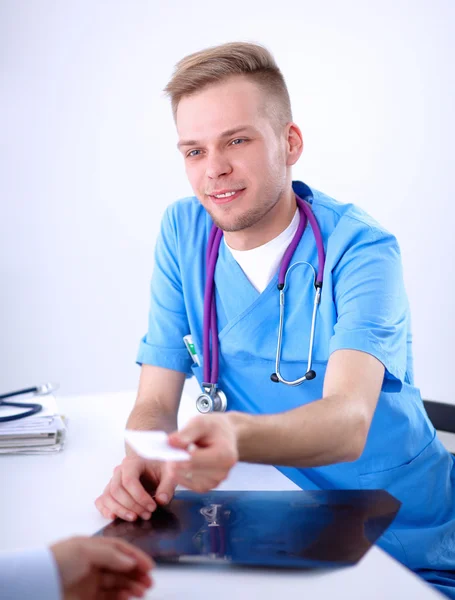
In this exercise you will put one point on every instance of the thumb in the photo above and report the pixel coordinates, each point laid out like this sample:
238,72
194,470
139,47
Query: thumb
193,431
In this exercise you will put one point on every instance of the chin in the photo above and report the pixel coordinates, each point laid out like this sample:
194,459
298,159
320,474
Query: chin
238,224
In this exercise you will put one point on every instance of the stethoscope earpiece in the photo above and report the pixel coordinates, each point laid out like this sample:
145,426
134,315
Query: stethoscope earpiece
309,375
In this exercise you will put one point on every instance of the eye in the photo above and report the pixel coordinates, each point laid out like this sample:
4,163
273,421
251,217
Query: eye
193,153
237,141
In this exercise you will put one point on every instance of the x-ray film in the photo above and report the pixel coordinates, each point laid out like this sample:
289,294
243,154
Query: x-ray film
300,529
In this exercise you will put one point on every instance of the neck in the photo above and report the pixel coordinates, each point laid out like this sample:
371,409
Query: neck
269,227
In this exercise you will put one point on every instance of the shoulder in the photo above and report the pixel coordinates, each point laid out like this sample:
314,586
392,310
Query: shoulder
185,216
185,226
344,225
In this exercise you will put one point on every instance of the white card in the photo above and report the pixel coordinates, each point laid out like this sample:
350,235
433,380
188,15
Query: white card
154,445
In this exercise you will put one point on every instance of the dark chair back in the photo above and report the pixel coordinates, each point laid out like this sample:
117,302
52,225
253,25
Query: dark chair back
441,415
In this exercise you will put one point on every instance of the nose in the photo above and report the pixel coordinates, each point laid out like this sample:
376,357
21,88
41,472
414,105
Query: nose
217,165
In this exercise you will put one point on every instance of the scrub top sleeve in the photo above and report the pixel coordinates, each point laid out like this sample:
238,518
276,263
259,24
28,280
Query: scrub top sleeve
371,303
163,344
29,575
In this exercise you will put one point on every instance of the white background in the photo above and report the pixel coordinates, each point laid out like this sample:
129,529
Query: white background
88,160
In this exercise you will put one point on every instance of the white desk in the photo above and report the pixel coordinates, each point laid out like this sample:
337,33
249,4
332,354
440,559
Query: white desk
46,498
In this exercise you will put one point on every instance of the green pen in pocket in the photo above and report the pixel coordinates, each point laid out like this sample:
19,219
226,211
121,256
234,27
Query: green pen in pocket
188,340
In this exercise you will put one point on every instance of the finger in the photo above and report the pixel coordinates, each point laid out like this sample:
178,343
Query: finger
130,478
122,595
121,495
208,467
166,488
209,458
99,503
201,486
177,469
120,511
143,560
117,556
176,441
200,482
110,508
125,582
109,581
104,553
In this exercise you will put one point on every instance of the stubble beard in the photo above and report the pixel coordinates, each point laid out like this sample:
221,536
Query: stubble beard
245,220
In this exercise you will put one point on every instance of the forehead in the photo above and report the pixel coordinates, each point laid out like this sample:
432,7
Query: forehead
219,107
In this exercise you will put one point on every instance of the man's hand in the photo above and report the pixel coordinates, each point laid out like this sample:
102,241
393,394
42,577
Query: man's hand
125,495
101,569
215,454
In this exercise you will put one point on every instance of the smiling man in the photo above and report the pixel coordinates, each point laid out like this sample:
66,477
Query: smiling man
236,172
250,234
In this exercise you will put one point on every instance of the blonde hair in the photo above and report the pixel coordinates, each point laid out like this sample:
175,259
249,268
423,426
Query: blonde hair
214,65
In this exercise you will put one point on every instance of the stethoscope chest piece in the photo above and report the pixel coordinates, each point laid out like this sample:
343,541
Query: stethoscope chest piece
211,400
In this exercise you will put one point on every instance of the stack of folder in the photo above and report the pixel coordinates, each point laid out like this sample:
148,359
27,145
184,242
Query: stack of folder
42,433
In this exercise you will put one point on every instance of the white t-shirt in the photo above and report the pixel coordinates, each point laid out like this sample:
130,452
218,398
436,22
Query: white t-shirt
260,264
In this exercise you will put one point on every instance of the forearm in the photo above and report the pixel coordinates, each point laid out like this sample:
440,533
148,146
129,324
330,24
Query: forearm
151,416
157,401
326,431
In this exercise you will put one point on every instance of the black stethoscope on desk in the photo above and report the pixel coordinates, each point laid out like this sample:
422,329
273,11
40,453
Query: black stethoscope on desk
33,408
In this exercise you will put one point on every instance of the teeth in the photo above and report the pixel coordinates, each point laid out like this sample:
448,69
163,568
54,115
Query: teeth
224,195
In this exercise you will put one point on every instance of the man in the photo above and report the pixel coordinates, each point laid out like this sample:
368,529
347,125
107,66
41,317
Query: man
360,423
76,569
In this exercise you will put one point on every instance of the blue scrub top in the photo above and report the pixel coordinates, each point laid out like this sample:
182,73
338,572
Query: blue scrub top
363,307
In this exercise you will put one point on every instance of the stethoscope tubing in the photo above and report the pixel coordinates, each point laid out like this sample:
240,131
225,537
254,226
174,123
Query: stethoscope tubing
212,395
33,407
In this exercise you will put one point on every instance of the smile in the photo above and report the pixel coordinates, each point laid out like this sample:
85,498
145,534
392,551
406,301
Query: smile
225,196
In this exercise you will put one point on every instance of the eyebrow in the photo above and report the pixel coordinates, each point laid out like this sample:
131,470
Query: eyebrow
225,134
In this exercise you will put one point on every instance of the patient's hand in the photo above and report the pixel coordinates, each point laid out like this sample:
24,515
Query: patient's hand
126,496
92,568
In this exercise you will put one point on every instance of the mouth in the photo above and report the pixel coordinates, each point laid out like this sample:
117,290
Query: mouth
225,196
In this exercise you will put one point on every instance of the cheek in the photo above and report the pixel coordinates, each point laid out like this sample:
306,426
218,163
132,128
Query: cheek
264,158
194,173
276,156
275,170
249,165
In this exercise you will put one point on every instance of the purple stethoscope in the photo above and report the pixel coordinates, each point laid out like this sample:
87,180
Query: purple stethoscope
213,399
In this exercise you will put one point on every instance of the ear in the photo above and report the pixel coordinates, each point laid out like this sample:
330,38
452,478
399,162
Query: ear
294,144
